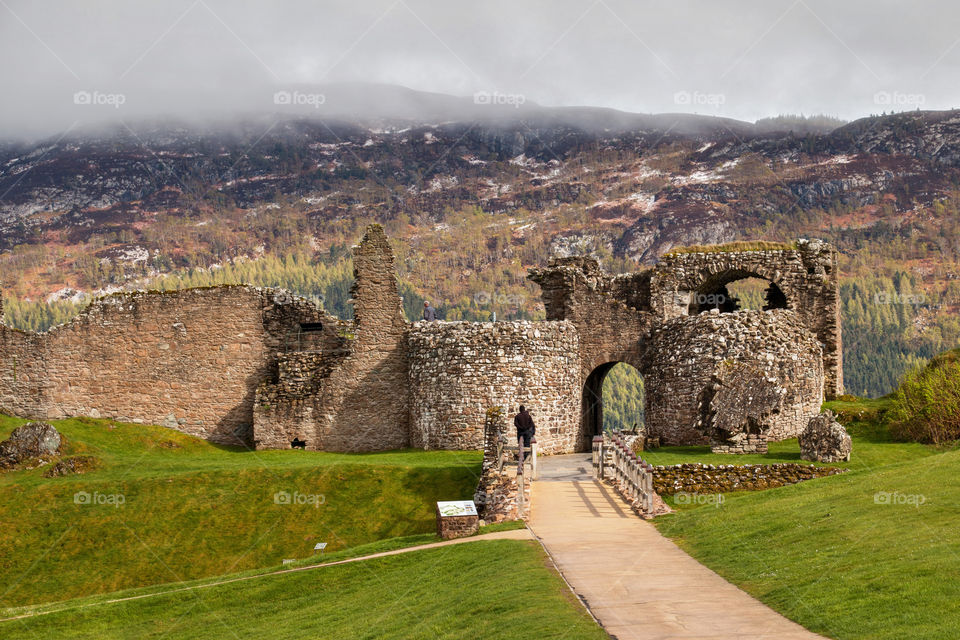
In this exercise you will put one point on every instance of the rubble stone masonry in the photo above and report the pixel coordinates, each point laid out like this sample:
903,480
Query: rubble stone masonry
260,367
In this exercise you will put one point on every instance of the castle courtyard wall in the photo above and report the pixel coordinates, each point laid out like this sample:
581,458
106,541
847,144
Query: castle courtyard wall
189,360
459,370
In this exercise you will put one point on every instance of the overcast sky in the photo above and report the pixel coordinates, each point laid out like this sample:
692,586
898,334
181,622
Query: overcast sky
739,59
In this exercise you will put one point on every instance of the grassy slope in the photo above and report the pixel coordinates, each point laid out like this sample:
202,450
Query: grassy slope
192,509
406,596
827,554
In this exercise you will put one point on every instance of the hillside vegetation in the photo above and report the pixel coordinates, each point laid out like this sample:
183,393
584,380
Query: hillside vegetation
471,206
164,507
926,405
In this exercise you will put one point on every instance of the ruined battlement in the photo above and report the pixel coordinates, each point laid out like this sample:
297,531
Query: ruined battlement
188,360
260,367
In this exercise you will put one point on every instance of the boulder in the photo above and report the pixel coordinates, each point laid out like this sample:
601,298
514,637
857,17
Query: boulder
825,439
32,440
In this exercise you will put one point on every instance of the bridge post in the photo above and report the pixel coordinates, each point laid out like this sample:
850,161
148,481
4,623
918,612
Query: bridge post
598,457
534,475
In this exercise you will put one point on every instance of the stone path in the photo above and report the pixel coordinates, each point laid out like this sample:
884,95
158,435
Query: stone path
636,582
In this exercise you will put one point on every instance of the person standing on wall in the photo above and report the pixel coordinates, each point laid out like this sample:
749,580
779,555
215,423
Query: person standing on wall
429,313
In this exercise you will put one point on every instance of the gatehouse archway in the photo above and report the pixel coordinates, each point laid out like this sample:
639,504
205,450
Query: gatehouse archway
613,398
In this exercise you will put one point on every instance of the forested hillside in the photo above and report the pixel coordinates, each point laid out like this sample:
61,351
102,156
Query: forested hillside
470,207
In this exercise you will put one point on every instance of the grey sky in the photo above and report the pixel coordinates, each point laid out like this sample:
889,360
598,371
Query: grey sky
739,59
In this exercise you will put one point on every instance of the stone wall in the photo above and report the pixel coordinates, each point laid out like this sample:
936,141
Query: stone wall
189,360
690,357
352,395
498,491
457,370
255,366
806,276
711,479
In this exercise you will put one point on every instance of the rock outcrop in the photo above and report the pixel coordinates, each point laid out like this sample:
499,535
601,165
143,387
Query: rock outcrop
825,439
32,440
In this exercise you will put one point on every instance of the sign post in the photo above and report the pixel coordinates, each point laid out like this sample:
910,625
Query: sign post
457,518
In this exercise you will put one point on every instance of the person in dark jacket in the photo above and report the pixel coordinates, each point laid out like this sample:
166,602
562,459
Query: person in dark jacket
525,427
429,313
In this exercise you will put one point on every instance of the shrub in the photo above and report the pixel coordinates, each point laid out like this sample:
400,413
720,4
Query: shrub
926,405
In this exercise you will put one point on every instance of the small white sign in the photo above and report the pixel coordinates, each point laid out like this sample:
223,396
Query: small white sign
288,560
457,508
320,546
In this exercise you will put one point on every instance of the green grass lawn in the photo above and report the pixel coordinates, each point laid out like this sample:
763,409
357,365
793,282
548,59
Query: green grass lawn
485,589
191,509
872,445
870,554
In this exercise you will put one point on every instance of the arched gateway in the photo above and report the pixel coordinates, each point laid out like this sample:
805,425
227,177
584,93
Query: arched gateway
219,362
733,378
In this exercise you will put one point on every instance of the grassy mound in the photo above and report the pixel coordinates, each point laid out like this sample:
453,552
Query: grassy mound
163,507
926,405
502,589
867,554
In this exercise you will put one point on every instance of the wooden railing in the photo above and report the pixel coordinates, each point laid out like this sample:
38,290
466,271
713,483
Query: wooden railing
629,474
525,455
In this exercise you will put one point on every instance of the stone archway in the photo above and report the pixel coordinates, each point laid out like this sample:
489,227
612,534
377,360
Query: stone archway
592,416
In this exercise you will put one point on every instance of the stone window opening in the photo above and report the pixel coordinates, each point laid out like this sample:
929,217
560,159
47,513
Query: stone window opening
304,337
735,291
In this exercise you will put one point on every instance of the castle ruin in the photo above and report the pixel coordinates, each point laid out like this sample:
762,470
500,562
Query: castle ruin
260,367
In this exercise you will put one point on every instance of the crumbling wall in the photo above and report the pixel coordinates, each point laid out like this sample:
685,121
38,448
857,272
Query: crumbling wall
352,395
689,357
806,275
457,370
189,360
611,313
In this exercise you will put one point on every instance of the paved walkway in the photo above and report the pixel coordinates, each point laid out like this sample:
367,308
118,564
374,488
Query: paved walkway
636,582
